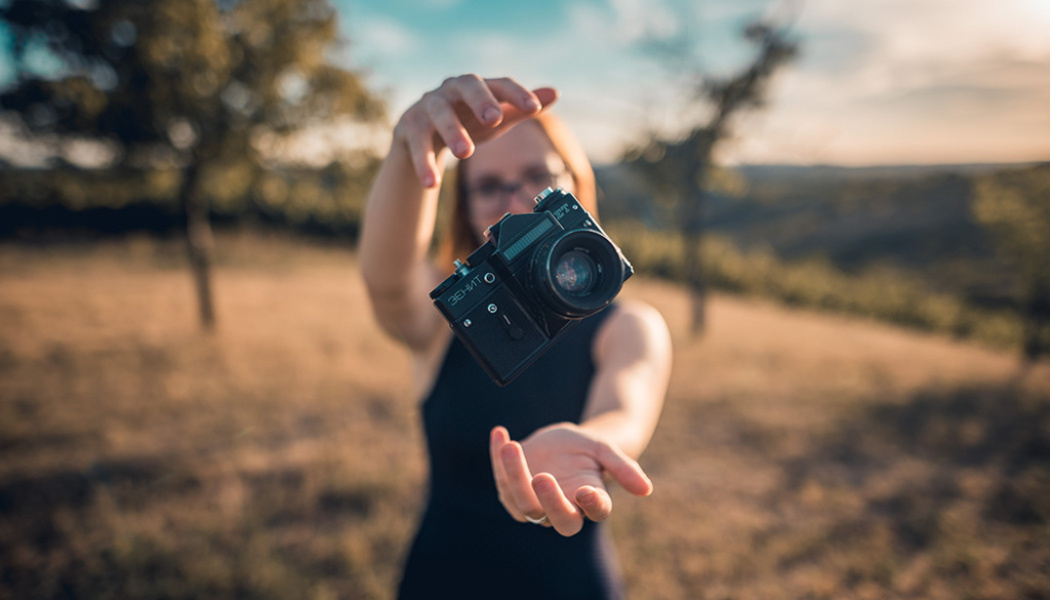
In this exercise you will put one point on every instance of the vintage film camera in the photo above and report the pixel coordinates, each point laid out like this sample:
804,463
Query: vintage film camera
530,283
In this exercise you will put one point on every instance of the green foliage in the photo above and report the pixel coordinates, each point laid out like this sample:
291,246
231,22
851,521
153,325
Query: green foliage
1015,206
324,201
77,190
816,283
186,75
197,98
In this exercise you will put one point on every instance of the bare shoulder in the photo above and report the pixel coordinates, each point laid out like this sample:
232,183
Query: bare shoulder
634,331
634,317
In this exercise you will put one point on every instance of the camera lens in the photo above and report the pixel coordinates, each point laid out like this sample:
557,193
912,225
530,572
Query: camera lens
576,273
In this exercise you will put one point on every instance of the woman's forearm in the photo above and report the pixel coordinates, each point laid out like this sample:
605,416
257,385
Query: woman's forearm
397,227
633,351
623,429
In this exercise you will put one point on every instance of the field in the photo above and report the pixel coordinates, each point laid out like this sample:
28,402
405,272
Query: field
799,456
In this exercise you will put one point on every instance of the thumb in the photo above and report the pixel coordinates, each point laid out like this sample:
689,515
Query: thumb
624,469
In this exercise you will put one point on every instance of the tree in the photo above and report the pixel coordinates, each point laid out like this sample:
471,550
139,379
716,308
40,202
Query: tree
193,83
1015,207
682,167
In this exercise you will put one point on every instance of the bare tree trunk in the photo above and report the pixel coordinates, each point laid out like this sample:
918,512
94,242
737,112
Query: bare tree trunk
696,283
694,181
199,242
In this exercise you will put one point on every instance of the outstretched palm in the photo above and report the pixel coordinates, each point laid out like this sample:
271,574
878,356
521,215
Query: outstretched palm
557,472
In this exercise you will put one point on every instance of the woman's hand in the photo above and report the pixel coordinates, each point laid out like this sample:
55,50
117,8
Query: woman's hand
569,463
463,112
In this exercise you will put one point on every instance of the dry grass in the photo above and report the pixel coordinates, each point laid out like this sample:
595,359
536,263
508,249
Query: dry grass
800,455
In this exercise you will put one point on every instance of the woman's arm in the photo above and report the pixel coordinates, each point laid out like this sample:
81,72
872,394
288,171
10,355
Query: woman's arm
397,228
401,210
633,358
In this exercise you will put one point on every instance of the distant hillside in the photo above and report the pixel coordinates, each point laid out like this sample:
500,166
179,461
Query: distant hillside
912,219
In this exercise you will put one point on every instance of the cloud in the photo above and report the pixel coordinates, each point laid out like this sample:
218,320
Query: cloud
885,44
992,111
907,81
386,38
634,20
880,80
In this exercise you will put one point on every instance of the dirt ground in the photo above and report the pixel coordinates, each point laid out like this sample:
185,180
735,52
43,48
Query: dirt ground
799,455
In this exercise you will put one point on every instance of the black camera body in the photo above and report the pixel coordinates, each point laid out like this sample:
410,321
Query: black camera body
530,283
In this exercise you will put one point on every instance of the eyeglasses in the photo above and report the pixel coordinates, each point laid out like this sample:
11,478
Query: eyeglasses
492,193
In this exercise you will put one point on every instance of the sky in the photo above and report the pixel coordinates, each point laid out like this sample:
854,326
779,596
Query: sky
877,81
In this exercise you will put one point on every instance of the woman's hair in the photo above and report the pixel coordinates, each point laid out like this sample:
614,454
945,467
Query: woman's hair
461,239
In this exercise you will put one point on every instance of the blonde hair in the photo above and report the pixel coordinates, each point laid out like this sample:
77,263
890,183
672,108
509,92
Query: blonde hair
461,239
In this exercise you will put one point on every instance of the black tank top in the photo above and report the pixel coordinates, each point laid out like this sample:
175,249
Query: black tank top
467,545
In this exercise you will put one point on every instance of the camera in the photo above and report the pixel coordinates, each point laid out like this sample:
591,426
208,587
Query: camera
530,283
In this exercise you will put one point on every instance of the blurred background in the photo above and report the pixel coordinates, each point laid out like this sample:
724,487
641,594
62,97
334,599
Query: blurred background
843,212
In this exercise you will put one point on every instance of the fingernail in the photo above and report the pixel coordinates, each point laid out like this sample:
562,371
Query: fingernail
491,114
532,103
588,496
428,180
460,149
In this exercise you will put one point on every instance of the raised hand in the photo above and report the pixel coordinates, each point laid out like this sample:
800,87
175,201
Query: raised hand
568,485
463,112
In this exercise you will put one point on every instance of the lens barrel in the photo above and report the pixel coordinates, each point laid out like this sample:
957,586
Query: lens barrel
578,274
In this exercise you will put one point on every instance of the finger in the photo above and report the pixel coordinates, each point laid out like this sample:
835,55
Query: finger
507,90
475,93
519,481
563,515
546,96
594,502
448,125
624,469
498,437
422,153
513,115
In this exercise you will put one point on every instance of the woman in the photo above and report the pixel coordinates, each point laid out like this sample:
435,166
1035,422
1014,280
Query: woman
506,518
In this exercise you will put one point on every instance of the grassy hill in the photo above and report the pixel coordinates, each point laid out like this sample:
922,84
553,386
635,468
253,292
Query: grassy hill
799,455
819,236
914,220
